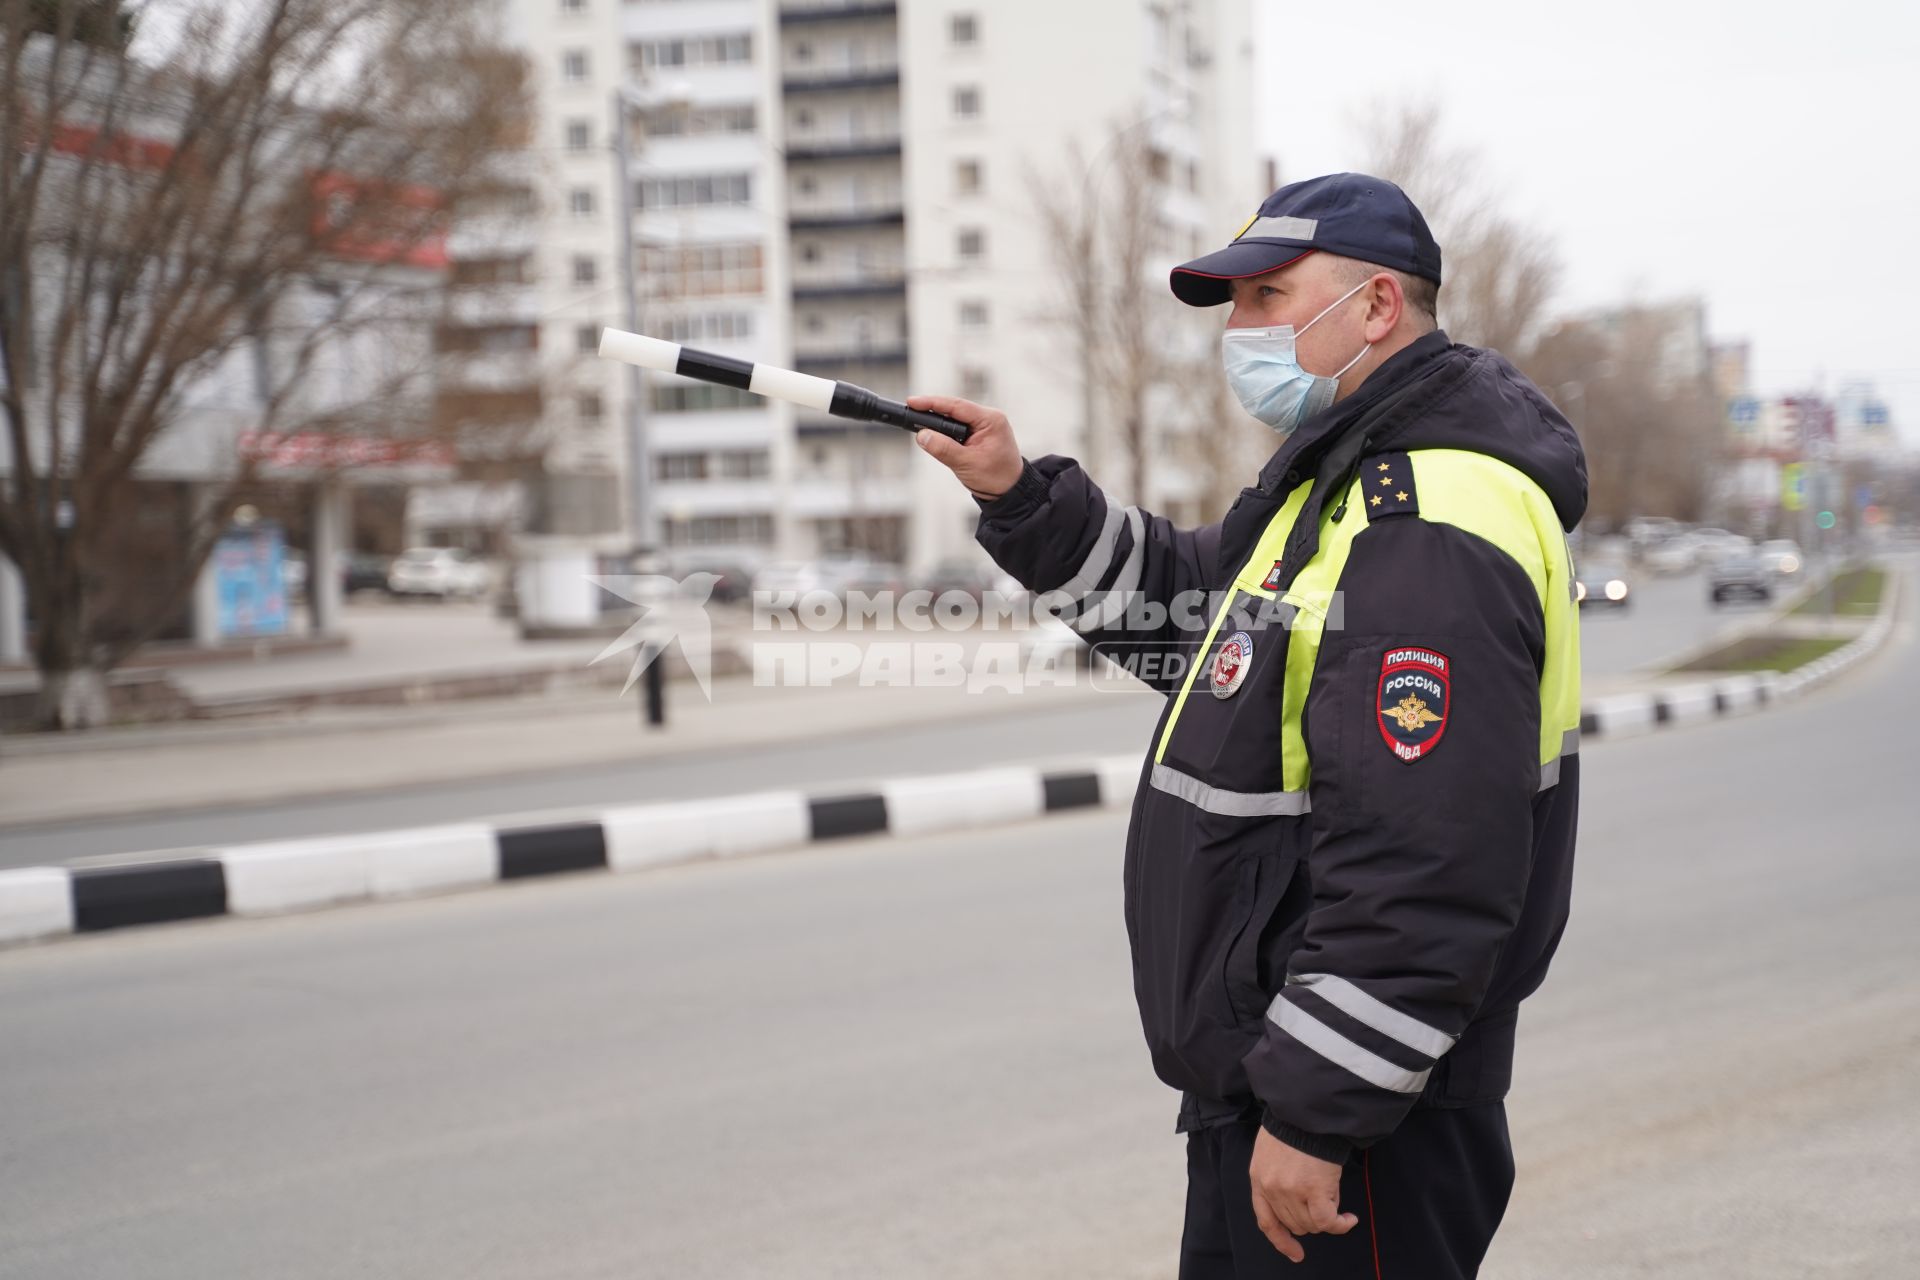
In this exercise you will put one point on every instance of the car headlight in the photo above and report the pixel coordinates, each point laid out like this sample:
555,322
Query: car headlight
1579,591
1616,590
1789,564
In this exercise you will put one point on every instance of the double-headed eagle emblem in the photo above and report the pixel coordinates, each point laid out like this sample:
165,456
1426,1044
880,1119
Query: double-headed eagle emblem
1410,713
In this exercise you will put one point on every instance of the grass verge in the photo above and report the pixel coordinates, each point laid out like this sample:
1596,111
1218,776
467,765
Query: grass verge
1766,653
1856,594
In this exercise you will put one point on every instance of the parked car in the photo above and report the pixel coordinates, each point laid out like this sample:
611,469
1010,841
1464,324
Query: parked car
293,573
364,571
1783,556
1740,577
443,572
1714,545
974,577
1678,554
839,574
1602,586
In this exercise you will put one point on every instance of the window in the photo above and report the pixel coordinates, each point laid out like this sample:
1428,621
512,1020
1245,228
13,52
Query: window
694,190
676,121
579,135
708,326
972,243
755,530
573,66
973,315
745,464
1193,176
573,6
680,466
967,177
975,385
697,271
586,339
966,102
580,202
702,397
964,28
803,52
589,407
691,51
585,271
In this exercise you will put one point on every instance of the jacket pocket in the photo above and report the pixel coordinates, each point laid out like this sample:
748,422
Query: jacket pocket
1256,960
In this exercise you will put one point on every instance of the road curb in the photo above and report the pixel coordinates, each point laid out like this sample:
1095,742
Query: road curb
38,903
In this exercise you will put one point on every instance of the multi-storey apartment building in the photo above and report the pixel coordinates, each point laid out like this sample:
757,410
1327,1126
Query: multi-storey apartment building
848,187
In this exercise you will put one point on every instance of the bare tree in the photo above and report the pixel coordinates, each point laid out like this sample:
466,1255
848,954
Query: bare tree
1648,416
1499,274
1124,327
256,189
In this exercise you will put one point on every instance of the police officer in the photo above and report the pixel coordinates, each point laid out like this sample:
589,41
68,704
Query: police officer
1351,847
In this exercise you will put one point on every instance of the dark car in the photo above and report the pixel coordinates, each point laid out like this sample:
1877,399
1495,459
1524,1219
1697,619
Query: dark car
364,571
1741,577
1602,586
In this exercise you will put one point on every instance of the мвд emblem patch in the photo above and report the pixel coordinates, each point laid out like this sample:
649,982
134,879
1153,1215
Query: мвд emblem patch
1415,697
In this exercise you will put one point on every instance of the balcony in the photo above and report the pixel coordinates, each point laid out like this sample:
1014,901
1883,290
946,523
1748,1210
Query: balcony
832,79
828,289
847,219
798,12
843,148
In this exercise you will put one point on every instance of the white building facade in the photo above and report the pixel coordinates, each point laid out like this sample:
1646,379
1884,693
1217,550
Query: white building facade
848,187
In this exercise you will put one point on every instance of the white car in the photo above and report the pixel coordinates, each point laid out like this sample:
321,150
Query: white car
445,572
1680,554
1716,545
1783,557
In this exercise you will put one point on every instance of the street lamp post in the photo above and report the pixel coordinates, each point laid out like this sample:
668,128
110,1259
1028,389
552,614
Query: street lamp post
639,463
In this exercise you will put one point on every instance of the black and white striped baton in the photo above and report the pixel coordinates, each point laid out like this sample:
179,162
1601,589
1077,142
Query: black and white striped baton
841,399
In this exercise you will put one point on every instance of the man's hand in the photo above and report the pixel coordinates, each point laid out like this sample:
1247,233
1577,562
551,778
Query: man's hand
1294,1194
989,462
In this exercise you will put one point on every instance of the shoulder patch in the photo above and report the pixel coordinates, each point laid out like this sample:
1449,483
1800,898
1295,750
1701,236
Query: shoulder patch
1415,699
1386,486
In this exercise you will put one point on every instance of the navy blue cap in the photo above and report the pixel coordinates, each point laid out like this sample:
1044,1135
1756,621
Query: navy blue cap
1351,214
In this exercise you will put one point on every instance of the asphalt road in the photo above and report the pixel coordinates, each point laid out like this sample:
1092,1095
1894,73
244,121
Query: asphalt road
919,1057
1668,616
1664,618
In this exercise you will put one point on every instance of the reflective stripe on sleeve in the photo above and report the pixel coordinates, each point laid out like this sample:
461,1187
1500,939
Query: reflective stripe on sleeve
1342,1052
1112,603
1094,567
1364,1009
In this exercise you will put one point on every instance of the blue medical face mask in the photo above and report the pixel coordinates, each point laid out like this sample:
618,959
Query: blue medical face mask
1266,374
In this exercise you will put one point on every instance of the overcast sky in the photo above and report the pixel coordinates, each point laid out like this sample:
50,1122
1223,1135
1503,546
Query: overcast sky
1761,155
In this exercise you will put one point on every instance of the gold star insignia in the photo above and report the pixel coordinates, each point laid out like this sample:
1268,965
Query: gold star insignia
1376,499
1401,496
1386,479
1384,467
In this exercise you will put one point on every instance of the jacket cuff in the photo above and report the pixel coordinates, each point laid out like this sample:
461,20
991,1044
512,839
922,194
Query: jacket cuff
1028,492
1321,1146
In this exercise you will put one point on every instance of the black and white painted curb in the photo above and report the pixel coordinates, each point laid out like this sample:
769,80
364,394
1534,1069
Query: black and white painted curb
298,875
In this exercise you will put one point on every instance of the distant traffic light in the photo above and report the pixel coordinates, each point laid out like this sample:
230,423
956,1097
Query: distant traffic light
1825,520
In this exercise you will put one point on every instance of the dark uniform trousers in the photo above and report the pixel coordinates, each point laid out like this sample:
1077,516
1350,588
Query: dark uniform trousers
1429,1197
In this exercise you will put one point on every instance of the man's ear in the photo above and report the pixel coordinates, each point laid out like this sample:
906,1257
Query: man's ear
1386,303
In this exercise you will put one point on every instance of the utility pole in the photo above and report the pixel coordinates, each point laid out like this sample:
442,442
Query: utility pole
639,461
